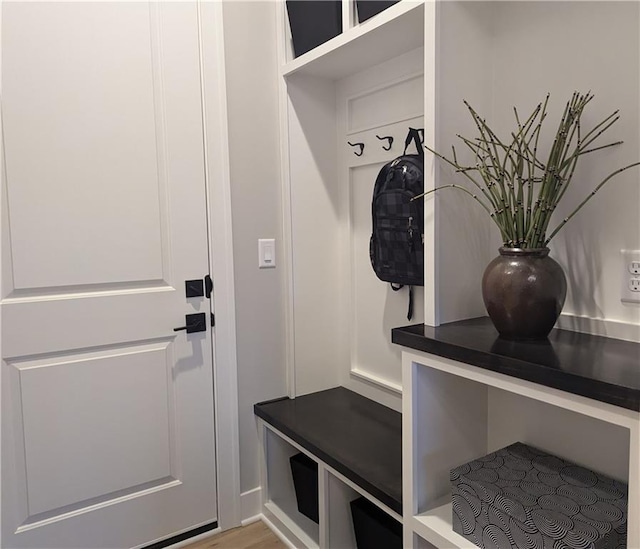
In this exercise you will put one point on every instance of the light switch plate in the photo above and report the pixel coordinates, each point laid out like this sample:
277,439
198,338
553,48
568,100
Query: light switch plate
266,253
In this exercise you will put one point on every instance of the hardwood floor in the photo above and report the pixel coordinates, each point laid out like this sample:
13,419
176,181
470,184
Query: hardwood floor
253,536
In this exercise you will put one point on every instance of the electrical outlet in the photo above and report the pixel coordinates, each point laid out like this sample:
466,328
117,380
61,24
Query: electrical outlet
630,288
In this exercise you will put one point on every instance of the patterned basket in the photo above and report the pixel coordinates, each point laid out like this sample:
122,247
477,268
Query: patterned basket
521,497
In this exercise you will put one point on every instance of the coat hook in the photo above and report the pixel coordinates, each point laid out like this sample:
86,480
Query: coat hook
388,147
361,145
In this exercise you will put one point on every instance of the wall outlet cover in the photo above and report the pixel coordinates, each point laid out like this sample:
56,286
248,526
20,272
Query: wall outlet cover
630,276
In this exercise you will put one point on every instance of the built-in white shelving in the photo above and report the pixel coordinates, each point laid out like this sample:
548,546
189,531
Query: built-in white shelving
280,504
455,412
346,467
494,55
394,31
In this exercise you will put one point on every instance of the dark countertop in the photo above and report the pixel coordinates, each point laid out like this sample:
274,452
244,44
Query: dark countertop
356,436
596,367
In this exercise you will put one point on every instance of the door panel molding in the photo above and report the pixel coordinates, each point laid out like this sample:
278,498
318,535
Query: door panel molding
87,290
64,513
61,464
56,158
162,146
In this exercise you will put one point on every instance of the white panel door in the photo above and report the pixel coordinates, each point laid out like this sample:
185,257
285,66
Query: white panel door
107,412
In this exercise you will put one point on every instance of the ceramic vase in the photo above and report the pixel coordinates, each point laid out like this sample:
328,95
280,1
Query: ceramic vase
524,291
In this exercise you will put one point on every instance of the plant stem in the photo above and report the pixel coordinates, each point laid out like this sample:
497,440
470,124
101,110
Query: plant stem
589,197
521,192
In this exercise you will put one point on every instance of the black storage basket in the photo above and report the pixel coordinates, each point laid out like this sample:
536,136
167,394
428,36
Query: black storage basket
369,8
374,528
305,481
313,22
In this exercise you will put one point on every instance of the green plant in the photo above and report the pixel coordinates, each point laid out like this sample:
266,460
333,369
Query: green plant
518,190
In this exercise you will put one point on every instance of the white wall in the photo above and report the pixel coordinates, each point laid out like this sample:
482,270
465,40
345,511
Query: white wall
503,54
584,46
465,238
315,220
252,95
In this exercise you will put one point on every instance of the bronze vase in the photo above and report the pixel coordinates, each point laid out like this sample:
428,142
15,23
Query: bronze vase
524,291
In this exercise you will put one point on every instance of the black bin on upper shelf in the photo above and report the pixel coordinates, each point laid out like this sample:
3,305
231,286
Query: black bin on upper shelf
374,528
313,22
305,481
368,8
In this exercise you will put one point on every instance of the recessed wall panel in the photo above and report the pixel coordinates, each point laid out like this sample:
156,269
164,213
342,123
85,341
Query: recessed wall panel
82,159
377,308
385,105
94,424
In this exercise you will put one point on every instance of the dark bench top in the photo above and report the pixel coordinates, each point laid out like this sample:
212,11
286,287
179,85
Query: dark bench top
600,368
358,437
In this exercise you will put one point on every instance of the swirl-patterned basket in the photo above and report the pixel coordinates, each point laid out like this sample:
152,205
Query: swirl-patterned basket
523,498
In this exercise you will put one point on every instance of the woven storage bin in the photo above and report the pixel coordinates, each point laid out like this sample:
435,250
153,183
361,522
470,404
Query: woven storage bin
521,497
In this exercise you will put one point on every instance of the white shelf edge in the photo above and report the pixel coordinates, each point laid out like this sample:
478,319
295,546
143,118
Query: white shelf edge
291,442
363,493
350,36
586,406
290,524
435,526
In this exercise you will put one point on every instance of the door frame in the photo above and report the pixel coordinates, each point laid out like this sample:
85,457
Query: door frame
218,193
218,189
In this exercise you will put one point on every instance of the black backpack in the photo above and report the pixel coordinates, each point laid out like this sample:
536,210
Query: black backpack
396,247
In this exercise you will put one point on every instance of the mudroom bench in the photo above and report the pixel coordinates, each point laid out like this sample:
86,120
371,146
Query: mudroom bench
356,444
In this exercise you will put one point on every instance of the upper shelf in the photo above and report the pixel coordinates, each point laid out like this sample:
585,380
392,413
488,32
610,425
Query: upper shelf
596,367
396,30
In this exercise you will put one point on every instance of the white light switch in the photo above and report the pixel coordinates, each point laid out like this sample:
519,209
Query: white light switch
266,253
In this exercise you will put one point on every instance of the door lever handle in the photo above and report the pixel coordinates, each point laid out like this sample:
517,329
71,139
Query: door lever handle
196,322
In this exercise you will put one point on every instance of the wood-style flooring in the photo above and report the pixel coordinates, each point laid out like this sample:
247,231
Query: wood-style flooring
253,536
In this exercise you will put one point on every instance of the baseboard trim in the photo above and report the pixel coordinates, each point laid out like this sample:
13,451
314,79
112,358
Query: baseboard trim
251,520
251,506
600,326
277,532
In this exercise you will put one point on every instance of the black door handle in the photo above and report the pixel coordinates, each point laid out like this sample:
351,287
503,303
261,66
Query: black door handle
196,322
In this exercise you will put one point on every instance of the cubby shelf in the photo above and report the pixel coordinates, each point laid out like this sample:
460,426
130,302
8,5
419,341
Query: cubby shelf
396,30
456,410
357,446
435,527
